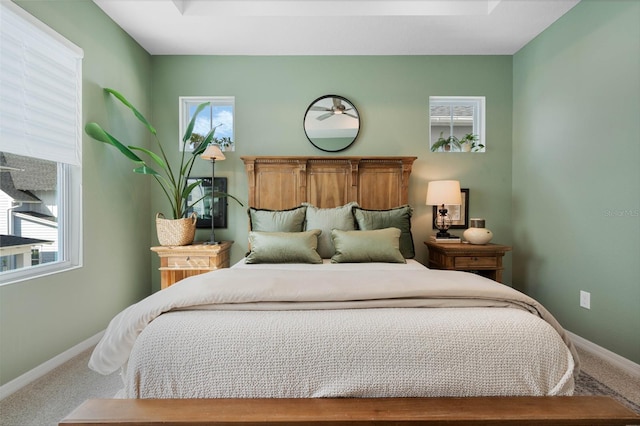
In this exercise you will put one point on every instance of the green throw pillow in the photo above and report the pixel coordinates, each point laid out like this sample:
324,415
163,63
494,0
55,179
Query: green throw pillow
380,245
326,220
263,220
283,247
399,217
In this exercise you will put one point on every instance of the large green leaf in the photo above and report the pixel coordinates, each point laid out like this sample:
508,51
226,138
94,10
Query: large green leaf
98,133
195,202
207,140
137,113
145,170
186,169
192,122
188,189
217,194
156,158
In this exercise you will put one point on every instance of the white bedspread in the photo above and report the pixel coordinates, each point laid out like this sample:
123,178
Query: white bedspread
267,332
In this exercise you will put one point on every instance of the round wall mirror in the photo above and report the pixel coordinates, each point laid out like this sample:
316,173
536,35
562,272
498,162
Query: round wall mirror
331,123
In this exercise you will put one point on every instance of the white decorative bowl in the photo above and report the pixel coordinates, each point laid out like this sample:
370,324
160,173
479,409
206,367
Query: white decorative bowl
477,234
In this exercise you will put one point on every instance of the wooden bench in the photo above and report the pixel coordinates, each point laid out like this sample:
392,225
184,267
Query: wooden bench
575,410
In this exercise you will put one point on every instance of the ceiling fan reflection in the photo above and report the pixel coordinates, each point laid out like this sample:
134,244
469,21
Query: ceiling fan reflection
338,108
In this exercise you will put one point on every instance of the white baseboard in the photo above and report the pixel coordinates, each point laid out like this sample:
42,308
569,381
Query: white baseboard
613,358
44,368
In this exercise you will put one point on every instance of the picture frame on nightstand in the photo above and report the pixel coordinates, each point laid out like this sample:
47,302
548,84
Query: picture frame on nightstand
459,214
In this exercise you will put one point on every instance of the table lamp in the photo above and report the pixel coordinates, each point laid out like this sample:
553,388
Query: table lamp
441,193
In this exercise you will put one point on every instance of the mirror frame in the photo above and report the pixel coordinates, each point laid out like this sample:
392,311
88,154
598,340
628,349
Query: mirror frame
350,106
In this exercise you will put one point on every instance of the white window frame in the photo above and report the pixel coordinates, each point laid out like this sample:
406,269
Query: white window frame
68,155
479,121
186,101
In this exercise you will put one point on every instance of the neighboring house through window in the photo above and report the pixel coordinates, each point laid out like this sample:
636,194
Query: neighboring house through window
40,148
458,116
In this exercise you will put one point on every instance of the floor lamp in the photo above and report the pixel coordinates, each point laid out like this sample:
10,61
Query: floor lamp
212,153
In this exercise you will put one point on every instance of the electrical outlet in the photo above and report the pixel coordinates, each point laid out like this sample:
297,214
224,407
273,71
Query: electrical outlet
585,299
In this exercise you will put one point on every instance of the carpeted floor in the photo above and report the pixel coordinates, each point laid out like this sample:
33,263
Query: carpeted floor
587,385
50,398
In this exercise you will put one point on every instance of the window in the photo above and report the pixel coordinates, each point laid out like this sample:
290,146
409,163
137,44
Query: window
451,118
218,114
40,148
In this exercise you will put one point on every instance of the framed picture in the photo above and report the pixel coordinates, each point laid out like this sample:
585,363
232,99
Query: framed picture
459,214
201,194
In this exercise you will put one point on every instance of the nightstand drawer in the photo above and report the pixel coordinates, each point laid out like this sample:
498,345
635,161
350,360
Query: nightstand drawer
485,260
188,262
180,262
476,262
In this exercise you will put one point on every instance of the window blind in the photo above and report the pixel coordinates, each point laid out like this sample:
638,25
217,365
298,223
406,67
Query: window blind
40,89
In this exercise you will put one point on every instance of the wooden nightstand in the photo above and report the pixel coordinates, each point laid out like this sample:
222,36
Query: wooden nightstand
486,260
179,262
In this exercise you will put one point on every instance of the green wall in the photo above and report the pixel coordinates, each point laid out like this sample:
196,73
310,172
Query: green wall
391,94
576,172
562,206
42,318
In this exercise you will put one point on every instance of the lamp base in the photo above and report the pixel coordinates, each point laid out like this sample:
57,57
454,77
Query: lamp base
211,243
450,239
444,234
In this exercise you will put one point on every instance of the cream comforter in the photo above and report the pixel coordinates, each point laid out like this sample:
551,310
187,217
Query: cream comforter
245,332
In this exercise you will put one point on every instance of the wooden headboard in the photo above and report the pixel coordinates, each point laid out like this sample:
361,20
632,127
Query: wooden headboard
278,183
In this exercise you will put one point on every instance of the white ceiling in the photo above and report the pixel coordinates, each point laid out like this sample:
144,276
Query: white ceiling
334,27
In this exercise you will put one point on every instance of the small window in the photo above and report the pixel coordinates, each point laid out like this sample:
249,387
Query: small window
219,114
40,217
457,124
29,205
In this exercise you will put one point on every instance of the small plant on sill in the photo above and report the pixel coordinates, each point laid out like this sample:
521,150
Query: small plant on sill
445,143
469,142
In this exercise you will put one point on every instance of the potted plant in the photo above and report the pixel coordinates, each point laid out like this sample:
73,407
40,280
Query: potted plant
445,143
469,142
172,180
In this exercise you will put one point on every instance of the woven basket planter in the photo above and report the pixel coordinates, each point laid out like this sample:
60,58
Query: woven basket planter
176,232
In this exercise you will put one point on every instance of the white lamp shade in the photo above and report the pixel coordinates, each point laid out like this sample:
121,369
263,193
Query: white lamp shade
212,152
444,192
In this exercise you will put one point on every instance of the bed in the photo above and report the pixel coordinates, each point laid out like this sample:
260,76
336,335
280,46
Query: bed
329,302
